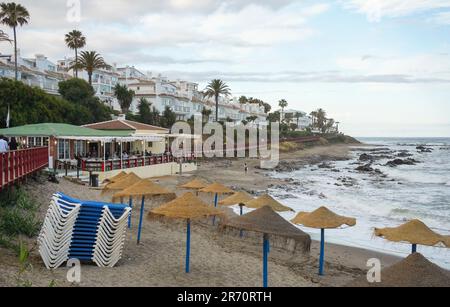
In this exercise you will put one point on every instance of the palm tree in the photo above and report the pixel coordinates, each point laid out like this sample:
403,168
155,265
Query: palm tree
4,37
321,118
297,116
313,115
283,104
214,89
14,15
206,113
124,96
89,61
75,40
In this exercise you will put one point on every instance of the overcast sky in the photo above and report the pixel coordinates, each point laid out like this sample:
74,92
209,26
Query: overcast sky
380,67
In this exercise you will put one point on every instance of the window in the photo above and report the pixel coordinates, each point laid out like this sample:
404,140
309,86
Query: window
80,148
63,149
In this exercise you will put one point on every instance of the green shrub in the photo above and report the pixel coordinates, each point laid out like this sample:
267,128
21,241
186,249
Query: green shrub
18,214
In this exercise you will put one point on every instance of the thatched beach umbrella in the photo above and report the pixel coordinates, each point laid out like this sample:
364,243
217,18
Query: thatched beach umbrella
187,207
414,232
266,221
195,184
116,177
143,188
413,271
322,219
122,183
269,201
216,189
238,198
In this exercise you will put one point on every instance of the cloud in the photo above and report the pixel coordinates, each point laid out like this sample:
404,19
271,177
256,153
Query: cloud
442,18
375,10
170,32
305,77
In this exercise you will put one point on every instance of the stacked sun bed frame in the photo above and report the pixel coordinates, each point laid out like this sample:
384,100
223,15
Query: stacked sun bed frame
84,230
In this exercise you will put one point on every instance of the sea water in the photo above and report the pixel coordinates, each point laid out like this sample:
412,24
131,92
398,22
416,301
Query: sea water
420,191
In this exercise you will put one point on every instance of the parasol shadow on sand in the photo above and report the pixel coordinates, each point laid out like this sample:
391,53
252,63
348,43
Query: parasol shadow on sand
322,219
415,233
187,207
144,189
216,189
266,221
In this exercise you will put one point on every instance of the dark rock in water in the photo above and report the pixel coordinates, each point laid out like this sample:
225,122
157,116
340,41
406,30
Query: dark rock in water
397,162
404,154
366,157
365,168
322,196
423,149
324,165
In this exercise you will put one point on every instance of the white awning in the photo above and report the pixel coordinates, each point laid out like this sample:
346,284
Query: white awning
110,139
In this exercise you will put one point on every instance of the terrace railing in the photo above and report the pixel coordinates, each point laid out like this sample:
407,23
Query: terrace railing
117,164
17,165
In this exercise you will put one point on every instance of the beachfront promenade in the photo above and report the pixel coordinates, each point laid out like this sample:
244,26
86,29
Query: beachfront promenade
17,165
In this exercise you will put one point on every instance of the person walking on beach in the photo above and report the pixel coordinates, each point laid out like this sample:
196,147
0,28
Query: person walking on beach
246,167
3,144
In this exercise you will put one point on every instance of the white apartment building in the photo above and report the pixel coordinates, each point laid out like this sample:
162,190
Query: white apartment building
37,71
184,98
103,81
303,121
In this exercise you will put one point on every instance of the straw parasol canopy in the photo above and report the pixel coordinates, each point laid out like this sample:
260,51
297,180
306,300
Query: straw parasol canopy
413,271
267,201
414,232
186,207
195,184
144,188
323,218
116,177
236,198
123,183
216,188
266,220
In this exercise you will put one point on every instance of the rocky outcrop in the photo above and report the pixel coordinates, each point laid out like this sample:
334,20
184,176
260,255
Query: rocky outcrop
423,149
397,162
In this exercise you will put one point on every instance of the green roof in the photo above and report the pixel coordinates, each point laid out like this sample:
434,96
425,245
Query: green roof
59,130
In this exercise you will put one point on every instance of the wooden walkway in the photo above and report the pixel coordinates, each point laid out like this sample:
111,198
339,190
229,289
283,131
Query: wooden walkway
17,165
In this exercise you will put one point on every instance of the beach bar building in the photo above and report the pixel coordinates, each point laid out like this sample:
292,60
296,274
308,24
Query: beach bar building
104,148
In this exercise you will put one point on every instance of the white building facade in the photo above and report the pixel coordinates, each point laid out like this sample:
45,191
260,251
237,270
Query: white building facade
37,71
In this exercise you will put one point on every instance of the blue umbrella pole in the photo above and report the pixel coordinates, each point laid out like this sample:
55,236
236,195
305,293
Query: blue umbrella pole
414,249
216,200
131,206
265,258
241,232
188,244
140,220
322,251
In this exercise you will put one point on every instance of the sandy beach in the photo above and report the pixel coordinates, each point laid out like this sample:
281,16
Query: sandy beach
215,260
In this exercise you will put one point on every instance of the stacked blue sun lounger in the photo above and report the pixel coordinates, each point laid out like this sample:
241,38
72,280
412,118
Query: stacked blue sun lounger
84,230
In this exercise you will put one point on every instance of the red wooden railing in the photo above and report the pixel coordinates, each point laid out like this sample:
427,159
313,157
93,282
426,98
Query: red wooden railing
16,165
107,166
